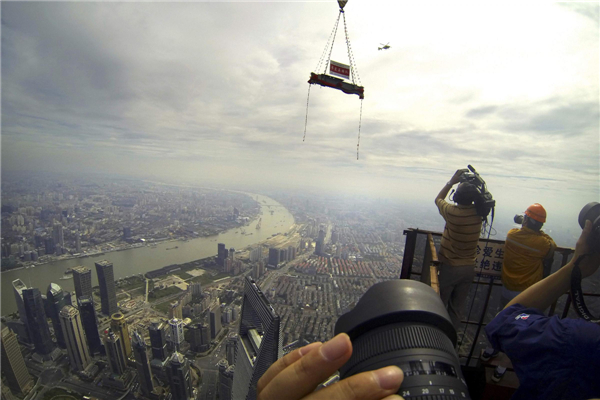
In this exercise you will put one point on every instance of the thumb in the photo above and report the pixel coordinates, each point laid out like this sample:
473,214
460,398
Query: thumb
587,227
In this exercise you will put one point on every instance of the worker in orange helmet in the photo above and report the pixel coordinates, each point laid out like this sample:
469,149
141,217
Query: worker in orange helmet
526,251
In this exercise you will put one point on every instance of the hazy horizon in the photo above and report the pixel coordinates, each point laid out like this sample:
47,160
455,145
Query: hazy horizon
215,94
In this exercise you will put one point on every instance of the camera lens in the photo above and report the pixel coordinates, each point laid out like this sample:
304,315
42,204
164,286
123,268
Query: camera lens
518,219
404,323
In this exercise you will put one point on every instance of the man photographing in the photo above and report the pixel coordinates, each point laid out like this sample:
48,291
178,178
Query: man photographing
526,250
459,244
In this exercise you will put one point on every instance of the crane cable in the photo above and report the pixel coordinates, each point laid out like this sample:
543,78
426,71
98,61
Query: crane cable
353,71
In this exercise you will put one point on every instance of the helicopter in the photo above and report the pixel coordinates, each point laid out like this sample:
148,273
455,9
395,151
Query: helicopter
384,46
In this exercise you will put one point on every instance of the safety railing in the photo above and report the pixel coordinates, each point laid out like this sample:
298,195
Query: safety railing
421,263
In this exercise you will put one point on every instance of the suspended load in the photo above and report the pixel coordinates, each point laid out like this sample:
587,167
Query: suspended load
343,71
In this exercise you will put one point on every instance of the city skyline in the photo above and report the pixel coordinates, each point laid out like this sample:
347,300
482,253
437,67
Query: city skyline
215,93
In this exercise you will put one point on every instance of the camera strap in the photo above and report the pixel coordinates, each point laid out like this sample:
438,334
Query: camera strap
577,293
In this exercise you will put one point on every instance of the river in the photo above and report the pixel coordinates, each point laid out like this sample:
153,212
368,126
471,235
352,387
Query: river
144,259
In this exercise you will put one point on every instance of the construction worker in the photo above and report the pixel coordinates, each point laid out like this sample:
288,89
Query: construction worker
526,250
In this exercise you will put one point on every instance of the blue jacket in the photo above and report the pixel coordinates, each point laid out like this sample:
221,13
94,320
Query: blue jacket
554,358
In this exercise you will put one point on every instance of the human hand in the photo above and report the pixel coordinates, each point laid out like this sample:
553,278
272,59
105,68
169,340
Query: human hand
456,177
591,263
296,376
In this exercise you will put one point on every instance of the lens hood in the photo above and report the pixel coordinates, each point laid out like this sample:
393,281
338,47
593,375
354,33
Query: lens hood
395,301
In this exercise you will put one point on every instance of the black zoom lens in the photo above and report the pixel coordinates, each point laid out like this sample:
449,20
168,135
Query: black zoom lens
404,323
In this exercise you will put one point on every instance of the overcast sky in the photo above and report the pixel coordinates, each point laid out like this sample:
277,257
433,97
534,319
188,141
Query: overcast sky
217,92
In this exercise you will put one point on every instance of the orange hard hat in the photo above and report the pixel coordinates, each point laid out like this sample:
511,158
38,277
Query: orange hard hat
536,212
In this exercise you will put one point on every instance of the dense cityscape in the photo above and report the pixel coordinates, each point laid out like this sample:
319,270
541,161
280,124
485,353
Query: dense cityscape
126,336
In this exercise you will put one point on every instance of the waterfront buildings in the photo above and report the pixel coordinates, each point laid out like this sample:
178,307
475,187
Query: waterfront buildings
38,324
89,321
118,325
74,336
106,281
82,279
142,363
13,365
259,341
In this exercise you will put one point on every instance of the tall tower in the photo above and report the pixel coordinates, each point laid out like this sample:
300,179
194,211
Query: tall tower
158,340
82,279
108,292
74,338
13,365
230,348
176,326
114,352
18,287
142,363
259,341
119,326
273,257
180,380
57,299
89,320
38,324
215,320
58,235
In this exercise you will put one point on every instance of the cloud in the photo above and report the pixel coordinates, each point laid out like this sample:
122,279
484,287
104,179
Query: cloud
222,88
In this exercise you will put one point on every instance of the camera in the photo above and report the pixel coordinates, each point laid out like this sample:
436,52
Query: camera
519,219
404,323
484,202
591,211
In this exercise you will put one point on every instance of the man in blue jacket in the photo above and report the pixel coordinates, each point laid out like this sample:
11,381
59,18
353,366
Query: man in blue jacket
554,358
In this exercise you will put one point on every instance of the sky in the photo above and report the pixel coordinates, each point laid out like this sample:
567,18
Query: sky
216,93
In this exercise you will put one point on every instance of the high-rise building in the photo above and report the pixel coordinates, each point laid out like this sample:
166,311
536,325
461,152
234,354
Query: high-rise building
221,250
74,336
56,299
196,290
158,340
225,380
273,257
38,324
180,380
57,234
320,243
230,348
13,364
259,341
49,245
89,320
176,326
114,352
215,320
108,292
199,337
77,242
82,279
231,253
118,325
18,287
176,310
142,363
